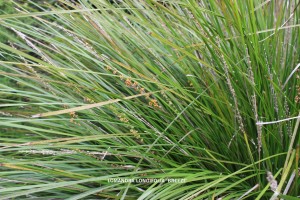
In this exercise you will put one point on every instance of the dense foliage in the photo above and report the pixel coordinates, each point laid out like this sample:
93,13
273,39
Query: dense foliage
95,93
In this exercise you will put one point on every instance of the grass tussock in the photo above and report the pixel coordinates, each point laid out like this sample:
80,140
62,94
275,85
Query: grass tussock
201,91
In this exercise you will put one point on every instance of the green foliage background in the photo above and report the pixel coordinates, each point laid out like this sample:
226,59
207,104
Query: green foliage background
93,90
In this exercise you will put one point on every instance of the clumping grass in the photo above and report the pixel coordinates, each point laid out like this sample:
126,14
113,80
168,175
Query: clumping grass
150,99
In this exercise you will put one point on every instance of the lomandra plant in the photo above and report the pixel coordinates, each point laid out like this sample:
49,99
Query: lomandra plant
147,99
